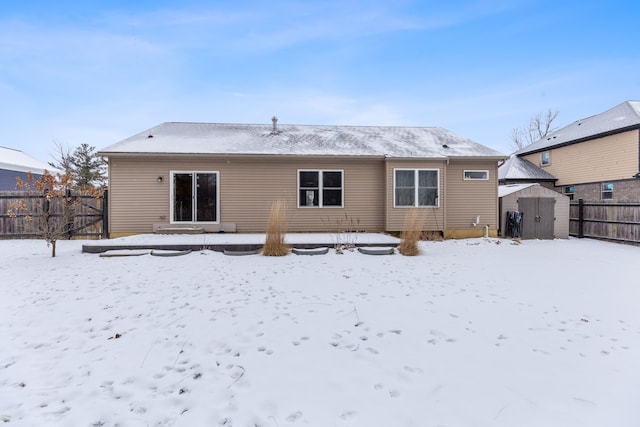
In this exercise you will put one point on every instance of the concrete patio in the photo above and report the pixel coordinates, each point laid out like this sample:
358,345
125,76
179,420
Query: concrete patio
221,242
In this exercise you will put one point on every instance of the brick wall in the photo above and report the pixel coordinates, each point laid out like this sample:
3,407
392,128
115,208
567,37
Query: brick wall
627,190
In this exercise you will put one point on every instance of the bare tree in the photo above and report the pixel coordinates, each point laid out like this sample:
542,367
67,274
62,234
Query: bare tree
62,156
48,206
540,125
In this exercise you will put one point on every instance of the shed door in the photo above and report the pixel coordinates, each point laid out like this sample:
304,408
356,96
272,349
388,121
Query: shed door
537,217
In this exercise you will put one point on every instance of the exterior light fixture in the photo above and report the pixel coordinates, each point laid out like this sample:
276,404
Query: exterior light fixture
160,179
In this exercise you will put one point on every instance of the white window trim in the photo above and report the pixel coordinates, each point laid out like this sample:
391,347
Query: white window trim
603,191
464,175
541,157
320,188
171,209
416,180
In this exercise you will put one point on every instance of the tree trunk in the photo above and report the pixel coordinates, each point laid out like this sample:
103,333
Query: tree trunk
53,249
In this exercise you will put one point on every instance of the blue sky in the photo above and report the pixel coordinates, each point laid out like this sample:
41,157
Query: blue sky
97,72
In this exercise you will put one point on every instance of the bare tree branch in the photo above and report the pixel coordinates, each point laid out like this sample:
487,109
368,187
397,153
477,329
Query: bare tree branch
539,126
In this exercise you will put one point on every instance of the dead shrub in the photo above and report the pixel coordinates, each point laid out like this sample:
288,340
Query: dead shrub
431,235
274,244
411,233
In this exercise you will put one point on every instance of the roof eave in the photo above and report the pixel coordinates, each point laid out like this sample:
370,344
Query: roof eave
165,154
579,140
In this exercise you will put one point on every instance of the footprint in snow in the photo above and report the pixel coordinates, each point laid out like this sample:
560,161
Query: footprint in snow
294,417
348,414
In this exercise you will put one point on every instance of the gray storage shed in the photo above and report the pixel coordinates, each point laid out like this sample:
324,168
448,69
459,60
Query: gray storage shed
543,213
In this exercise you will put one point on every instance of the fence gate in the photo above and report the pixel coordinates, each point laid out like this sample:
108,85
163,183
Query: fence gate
89,219
538,216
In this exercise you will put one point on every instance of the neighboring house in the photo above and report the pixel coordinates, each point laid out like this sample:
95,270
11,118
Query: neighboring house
226,176
597,158
517,170
16,164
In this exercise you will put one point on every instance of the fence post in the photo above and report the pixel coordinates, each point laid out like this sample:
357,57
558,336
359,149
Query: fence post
68,215
580,218
105,214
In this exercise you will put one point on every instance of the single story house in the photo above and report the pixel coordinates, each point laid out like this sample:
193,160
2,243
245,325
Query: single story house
224,177
16,164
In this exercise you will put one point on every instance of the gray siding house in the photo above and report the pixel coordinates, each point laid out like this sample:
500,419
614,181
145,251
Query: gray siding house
16,164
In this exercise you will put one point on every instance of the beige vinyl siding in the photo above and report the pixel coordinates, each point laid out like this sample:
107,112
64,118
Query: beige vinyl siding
468,199
603,159
247,186
434,216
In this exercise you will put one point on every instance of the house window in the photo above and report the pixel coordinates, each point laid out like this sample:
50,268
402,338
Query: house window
607,190
568,190
194,196
416,187
320,188
545,158
476,175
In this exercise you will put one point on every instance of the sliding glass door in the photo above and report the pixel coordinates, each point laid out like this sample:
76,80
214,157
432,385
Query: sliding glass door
194,197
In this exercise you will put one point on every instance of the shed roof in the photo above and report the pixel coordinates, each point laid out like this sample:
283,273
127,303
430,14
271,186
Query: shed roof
518,168
16,160
619,118
505,190
260,139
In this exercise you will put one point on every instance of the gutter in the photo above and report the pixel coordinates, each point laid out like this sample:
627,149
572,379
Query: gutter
579,140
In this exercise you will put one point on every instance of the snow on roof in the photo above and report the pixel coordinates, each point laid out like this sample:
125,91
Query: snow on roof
519,168
16,160
505,190
217,138
619,117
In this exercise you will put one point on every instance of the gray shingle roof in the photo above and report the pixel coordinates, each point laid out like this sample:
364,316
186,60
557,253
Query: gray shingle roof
216,138
623,116
517,168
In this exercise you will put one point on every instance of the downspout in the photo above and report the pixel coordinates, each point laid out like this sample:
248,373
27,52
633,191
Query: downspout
445,207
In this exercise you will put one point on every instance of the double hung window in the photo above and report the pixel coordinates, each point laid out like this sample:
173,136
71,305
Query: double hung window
568,190
545,158
416,187
320,188
607,191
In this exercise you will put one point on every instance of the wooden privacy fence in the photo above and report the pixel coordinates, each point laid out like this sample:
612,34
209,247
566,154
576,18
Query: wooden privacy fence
89,219
611,221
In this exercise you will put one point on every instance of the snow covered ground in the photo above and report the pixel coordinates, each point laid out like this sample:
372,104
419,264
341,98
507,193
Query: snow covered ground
479,332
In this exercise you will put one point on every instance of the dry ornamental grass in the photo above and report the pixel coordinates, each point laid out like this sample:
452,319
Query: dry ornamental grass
274,244
411,233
